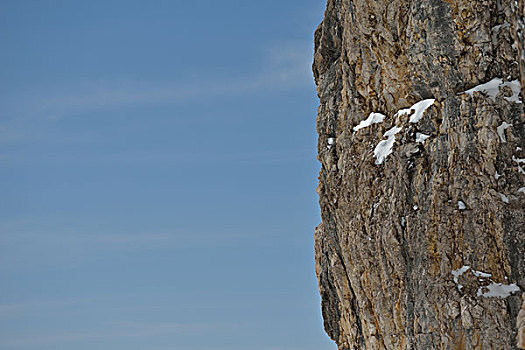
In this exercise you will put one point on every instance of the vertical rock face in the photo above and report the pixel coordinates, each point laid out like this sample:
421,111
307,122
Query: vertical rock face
422,188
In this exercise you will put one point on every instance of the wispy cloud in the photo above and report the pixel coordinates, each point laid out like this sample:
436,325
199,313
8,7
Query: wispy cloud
284,66
57,242
29,116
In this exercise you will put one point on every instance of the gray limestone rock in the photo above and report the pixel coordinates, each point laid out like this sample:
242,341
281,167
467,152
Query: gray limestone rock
422,239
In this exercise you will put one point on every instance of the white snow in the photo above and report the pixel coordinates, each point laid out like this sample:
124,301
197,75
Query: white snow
392,131
492,88
461,205
501,131
521,190
330,143
518,160
497,176
481,274
504,198
403,112
498,290
418,108
459,272
420,138
494,290
373,118
384,148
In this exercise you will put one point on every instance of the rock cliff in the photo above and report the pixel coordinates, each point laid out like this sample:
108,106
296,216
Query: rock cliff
422,188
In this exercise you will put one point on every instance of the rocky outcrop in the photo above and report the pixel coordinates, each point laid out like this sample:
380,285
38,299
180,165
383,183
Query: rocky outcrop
422,188
520,324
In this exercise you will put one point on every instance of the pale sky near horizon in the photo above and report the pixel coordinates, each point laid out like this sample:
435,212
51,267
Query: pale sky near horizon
158,175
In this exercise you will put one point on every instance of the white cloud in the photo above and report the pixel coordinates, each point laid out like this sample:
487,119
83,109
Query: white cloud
283,67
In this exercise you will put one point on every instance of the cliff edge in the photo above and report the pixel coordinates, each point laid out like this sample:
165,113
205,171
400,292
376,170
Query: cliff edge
422,188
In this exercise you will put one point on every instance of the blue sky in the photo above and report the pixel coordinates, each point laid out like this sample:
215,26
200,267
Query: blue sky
158,169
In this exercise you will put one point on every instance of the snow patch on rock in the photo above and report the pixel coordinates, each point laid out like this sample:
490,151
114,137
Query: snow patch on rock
420,108
515,86
384,148
493,87
490,88
481,274
498,290
501,131
458,272
417,109
420,138
518,160
373,118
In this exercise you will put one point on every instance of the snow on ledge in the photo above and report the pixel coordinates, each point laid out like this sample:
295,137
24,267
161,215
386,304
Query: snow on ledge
518,160
498,290
515,86
417,108
420,137
481,274
493,87
392,131
373,118
420,108
501,131
459,272
331,141
384,148
493,290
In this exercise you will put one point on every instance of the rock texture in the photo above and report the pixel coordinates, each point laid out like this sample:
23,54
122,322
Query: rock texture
425,248
520,324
